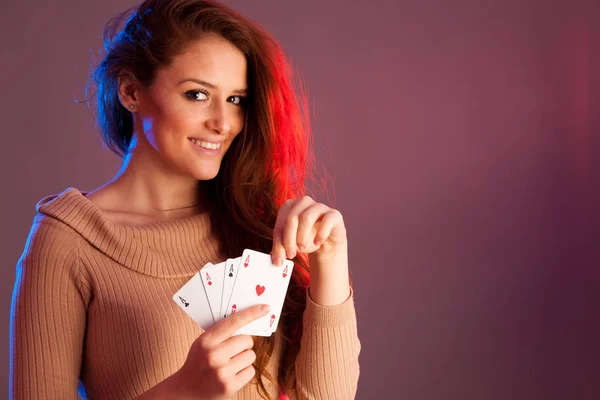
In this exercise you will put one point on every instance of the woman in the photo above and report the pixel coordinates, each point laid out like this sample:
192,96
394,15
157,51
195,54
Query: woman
199,104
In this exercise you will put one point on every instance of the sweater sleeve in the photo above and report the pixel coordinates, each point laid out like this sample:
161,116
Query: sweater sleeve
327,364
48,314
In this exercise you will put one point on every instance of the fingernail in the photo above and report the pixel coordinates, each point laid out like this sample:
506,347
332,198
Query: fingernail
290,255
277,261
265,307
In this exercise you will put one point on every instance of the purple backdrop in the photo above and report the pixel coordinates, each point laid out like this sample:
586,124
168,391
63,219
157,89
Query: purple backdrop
462,138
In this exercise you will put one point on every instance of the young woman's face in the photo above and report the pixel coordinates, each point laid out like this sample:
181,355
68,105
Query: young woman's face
200,97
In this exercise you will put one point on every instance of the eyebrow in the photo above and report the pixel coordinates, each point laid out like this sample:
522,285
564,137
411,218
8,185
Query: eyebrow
210,85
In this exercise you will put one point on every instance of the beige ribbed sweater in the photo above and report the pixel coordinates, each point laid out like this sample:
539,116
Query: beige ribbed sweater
92,309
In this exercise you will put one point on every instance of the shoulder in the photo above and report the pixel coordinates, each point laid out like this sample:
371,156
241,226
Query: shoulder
50,260
51,253
63,218
51,238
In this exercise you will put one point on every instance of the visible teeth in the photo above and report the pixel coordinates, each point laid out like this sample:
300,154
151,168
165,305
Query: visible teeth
206,145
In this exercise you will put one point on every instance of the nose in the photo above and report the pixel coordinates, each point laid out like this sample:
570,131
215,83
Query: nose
218,120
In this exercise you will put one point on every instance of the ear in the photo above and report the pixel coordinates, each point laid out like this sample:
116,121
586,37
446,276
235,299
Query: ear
128,89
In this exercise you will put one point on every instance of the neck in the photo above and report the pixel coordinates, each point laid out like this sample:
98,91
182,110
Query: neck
150,187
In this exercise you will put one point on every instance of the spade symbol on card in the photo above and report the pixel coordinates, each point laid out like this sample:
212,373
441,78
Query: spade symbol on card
285,271
231,272
185,303
260,290
247,261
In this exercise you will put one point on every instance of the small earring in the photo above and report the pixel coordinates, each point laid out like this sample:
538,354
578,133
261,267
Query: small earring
132,106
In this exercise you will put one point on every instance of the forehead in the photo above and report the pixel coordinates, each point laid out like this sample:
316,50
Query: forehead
210,58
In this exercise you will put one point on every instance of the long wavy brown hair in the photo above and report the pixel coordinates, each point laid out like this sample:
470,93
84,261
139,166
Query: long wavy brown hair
265,165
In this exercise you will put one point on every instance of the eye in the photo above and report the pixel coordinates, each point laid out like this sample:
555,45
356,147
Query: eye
193,94
241,100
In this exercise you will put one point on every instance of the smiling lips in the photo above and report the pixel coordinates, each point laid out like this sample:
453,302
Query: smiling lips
205,144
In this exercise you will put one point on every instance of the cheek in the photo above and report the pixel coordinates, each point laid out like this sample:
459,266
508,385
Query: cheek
171,114
182,119
174,126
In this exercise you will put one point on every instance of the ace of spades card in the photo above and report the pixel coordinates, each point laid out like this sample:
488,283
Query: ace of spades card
192,299
231,269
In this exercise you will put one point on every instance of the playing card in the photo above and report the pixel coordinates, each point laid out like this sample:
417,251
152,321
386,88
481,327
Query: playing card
258,281
193,300
284,275
212,278
231,269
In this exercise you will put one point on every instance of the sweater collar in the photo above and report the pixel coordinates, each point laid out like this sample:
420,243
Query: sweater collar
165,249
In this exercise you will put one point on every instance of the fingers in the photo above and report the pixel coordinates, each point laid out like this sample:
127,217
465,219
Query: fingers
225,328
288,235
245,375
278,253
242,360
330,219
222,354
298,228
286,228
234,346
307,227
238,372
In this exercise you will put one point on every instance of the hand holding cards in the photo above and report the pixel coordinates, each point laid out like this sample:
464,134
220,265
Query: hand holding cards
219,290
230,366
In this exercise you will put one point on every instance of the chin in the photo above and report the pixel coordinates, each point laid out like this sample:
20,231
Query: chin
204,175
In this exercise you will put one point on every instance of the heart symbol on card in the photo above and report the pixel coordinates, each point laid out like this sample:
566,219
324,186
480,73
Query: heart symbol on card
260,290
